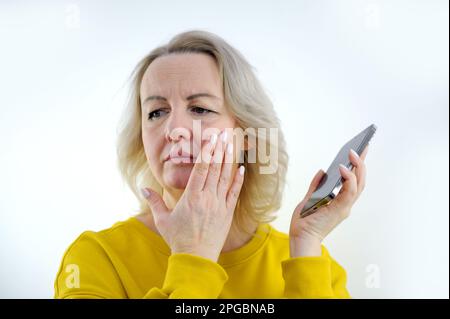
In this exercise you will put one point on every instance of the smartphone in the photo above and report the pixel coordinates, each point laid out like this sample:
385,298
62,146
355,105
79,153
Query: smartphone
331,182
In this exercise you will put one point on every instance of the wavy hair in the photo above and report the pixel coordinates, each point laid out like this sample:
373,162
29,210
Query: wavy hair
261,194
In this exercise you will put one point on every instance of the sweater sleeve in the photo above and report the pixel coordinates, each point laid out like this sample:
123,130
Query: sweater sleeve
87,272
314,277
190,276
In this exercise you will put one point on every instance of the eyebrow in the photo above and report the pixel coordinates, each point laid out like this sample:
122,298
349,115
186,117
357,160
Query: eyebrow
190,97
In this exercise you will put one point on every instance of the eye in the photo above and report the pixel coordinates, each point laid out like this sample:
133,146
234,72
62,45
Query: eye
156,114
200,110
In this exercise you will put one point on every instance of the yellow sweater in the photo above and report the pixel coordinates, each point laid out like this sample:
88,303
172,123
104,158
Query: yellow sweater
129,260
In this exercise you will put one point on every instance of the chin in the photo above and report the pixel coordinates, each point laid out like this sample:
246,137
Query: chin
177,176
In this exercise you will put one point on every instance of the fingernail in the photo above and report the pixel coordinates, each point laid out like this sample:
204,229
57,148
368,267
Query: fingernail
145,193
230,148
224,136
344,167
354,153
213,139
241,170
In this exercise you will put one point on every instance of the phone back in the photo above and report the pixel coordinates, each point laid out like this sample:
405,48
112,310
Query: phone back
332,178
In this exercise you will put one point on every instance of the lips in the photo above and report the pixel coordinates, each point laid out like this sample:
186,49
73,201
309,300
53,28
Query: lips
179,157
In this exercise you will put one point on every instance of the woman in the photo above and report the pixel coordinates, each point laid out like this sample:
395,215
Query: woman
203,230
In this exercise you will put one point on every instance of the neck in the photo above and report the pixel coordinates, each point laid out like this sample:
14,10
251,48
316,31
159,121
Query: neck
237,239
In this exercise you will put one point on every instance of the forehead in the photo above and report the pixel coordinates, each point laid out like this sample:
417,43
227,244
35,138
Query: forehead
183,74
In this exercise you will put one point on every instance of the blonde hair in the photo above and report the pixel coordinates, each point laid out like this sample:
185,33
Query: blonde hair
261,194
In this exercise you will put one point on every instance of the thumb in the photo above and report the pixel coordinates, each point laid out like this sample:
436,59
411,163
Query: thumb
312,187
155,202
315,183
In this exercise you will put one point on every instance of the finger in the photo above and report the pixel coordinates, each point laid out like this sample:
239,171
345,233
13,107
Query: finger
200,170
364,153
312,187
235,189
359,170
156,204
216,164
347,195
227,170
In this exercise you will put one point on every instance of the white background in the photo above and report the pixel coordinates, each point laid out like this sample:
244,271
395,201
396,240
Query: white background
331,69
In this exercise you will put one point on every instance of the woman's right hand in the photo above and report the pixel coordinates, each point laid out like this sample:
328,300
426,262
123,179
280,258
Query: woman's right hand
200,221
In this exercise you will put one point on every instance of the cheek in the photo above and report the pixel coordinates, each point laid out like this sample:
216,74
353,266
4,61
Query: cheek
221,124
153,146
225,121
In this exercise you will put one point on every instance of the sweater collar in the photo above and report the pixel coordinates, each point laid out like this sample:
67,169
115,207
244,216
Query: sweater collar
226,259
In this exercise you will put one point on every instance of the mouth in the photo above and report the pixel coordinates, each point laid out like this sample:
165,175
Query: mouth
178,159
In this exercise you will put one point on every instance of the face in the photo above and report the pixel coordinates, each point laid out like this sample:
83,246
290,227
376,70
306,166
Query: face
176,120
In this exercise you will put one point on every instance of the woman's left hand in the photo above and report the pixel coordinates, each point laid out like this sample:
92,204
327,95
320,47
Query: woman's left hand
306,234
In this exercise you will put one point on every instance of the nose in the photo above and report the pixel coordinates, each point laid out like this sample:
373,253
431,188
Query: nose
178,127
